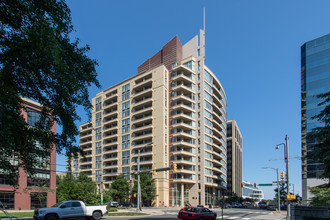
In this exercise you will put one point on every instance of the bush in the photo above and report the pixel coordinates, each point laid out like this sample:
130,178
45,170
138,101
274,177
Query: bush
111,209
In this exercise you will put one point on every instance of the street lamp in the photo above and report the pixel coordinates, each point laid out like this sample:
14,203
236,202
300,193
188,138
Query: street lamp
286,156
278,188
138,208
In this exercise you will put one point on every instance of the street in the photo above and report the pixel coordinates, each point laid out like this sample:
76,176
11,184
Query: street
171,214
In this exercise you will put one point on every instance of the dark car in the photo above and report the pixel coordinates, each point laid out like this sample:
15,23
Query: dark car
283,206
272,207
190,213
263,206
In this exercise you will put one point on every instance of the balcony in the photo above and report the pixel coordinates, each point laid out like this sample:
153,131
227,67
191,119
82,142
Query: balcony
183,125
109,136
140,109
108,121
142,125
142,81
107,106
183,106
184,153
85,143
110,127
184,134
142,135
184,142
111,112
182,86
86,127
110,157
141,91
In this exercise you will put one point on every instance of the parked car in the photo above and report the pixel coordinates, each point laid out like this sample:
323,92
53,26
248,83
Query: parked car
70,209
190,213
263,206
227,206
112,204
244,205
272,207
283,207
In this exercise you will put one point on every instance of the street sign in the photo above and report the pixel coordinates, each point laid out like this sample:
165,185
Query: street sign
222,202
290,197
265,184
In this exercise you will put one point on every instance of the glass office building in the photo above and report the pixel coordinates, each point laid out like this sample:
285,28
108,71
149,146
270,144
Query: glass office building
315,80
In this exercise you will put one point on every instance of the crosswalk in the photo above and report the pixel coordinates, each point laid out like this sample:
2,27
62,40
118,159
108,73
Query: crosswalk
232,217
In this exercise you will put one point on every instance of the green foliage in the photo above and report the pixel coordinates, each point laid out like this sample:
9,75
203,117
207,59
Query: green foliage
321,196
38,61
321,135
82,188
111,209
148,189
283,192
234,199
119,189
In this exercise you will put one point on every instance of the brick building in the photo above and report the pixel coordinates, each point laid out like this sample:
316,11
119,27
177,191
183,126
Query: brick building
27,195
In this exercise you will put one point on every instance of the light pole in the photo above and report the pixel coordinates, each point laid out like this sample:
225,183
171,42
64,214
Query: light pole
278,188
138,208
286,156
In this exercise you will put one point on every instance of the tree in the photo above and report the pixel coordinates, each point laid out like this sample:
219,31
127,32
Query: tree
119,189
321,195
321,135
38,61
81,188
148,189
283,192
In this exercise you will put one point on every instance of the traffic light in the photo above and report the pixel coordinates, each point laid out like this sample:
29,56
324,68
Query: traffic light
255,185
242,185
155,171
282,176
134,195
174,167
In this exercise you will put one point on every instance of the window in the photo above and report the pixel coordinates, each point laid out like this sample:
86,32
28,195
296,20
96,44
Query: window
208,131
98,119
208,77
98,104
208,105
208,96
208,87
38,200
125,92
208,114
98,147
98,162
191,65
8,199
165,79
126,172
125,157
208,122
75,165
39,179
98,134
125,109
33,117
126,141
98,176
125,125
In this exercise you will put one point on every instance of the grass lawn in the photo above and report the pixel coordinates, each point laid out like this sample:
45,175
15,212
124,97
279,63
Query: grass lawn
125,214
17,214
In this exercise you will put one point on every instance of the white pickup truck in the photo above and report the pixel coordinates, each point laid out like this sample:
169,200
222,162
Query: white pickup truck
70,209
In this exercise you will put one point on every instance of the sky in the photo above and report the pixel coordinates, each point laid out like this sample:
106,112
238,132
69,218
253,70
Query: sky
253,47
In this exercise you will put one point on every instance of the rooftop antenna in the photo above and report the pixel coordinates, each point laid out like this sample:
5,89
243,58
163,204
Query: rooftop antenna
204,19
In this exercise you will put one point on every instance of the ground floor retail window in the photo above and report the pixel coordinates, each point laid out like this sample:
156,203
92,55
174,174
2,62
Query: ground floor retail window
38,200
7,199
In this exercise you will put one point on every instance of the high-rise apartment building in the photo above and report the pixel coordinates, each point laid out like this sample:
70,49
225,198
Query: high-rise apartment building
234,159
174,111
315,79
33,191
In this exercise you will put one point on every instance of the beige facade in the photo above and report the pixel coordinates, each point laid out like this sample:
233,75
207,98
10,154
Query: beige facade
174,111
235,150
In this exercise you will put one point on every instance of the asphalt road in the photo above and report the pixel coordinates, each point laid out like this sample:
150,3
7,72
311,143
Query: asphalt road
228,214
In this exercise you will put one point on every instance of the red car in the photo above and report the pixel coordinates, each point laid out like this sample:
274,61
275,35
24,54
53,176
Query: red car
190,213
